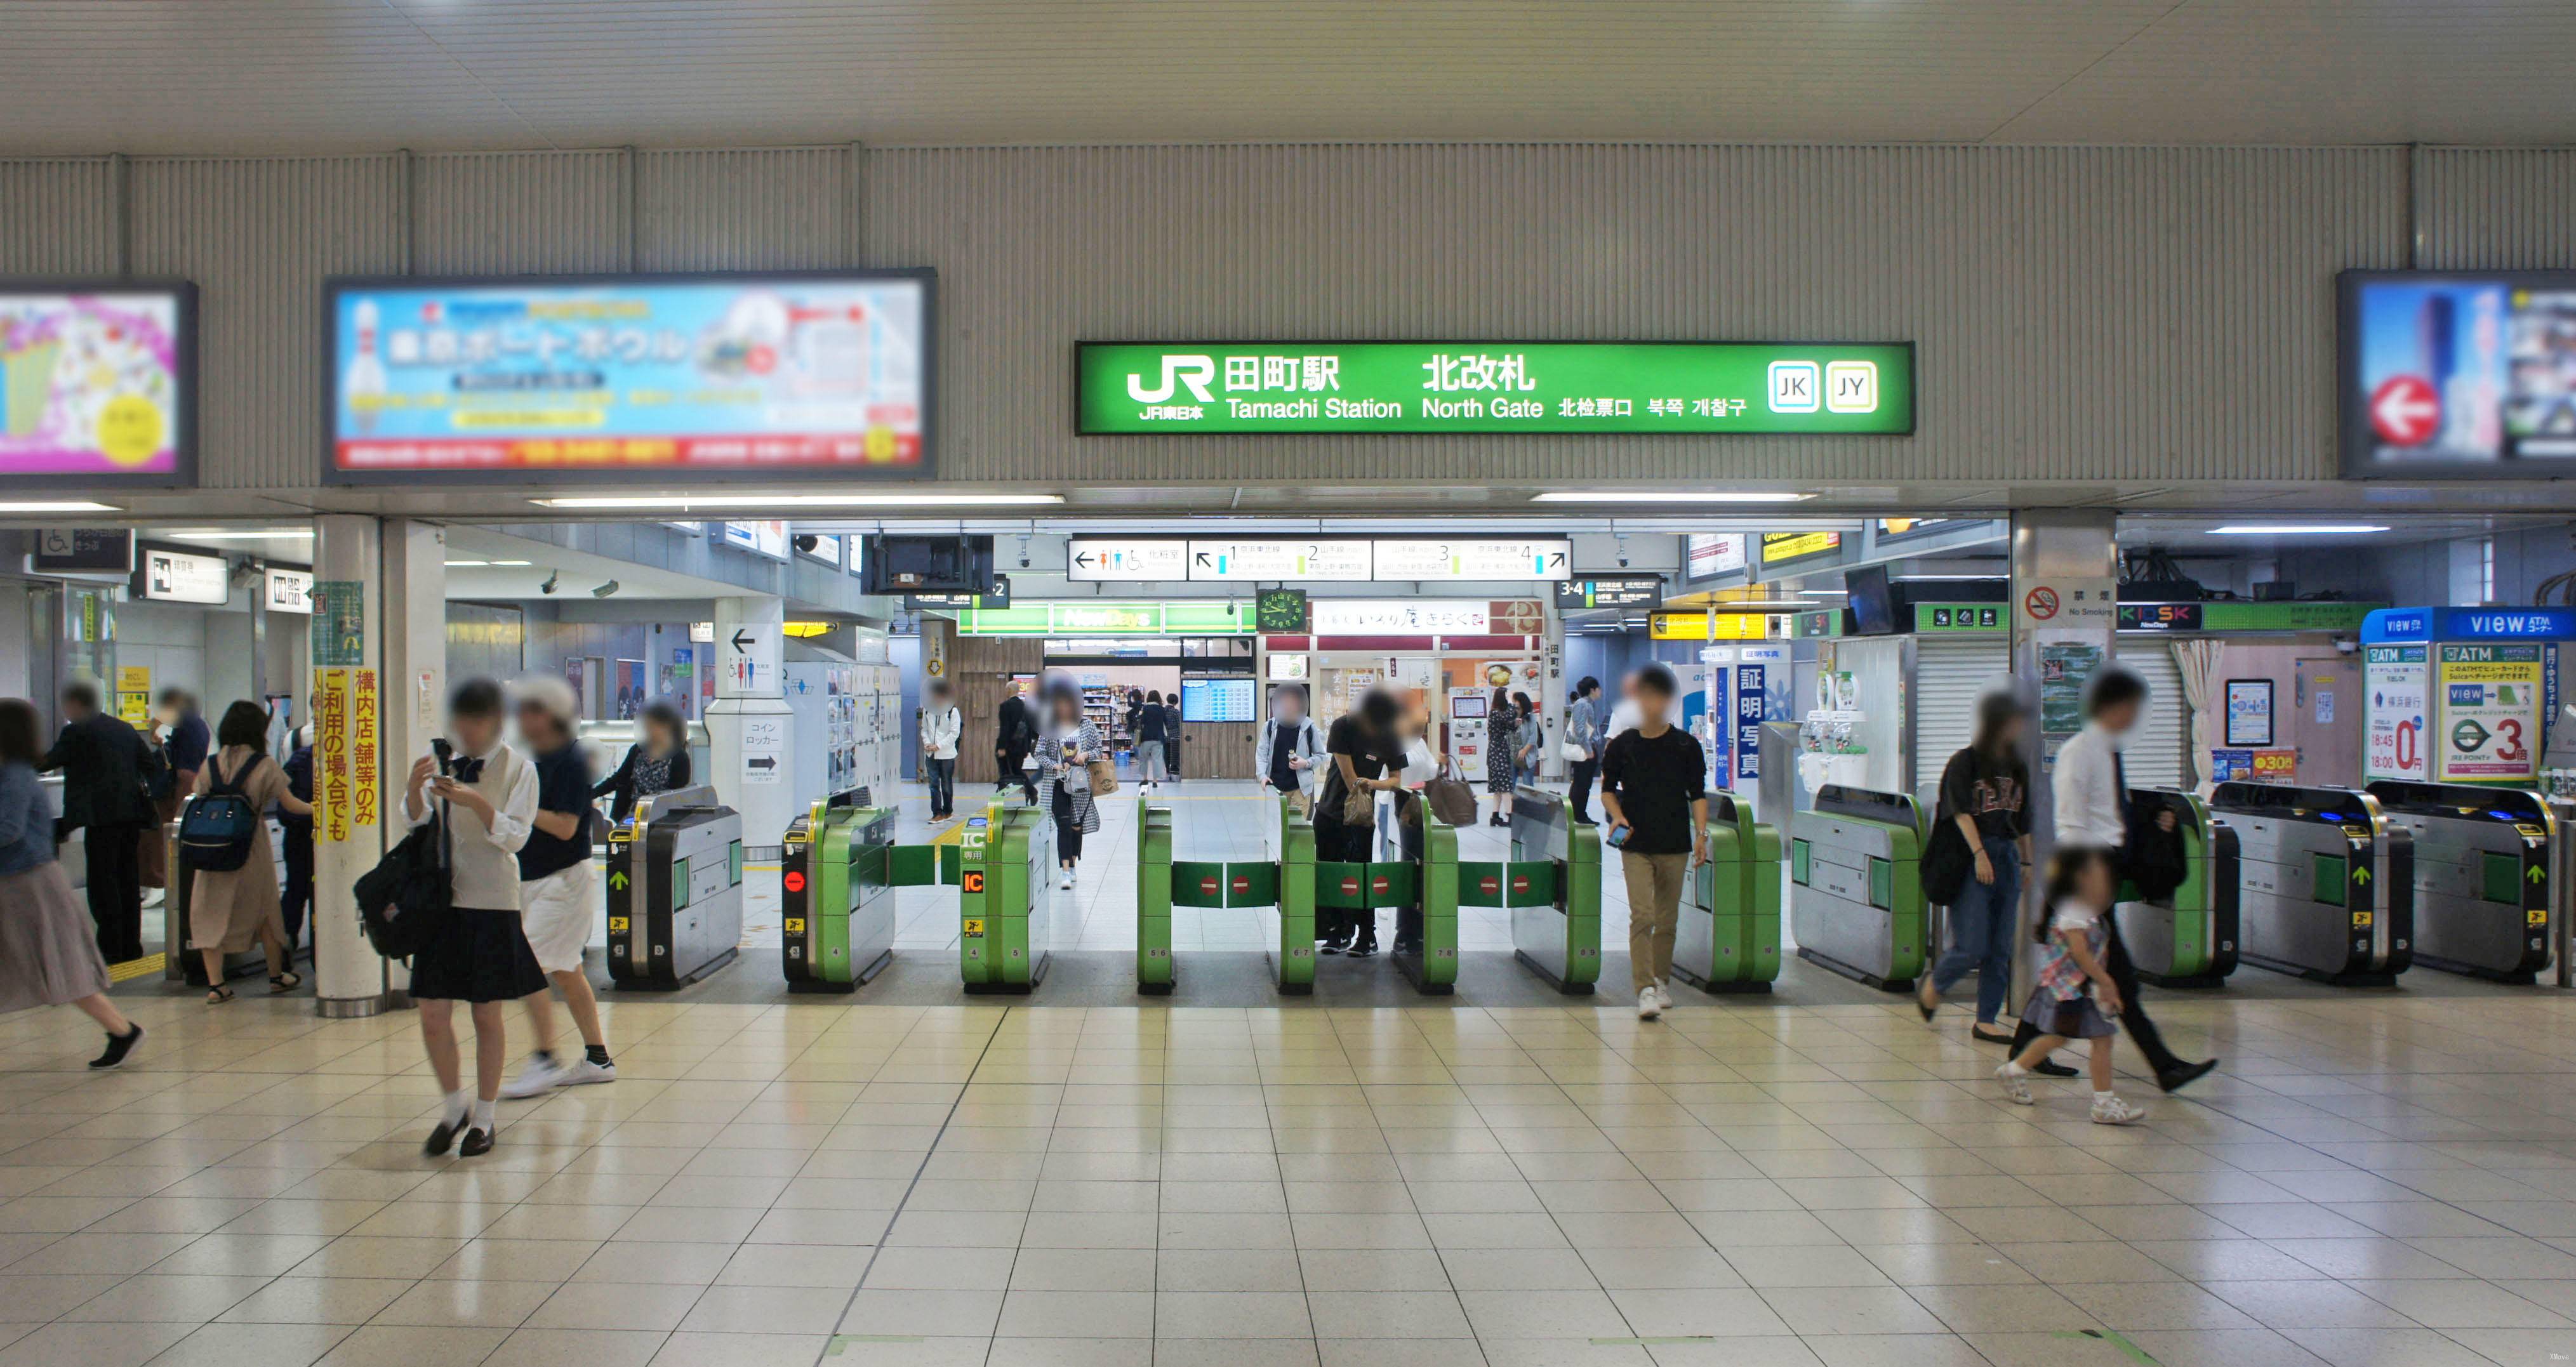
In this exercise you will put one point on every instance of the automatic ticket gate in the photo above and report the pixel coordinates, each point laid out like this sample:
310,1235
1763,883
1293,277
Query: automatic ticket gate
1296,883
674,891
1005,889
2483,864
1856,900
836,883
1728,939
1552,888
2188,937
2328,882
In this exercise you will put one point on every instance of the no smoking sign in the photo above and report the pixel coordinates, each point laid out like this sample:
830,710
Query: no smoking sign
2040,603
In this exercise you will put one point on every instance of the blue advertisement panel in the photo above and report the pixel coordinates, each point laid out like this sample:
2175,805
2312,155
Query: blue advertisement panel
2459,374
679,378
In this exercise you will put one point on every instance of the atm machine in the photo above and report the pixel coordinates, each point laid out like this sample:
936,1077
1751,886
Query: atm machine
1467,710
2484,858
2328,882
674,891
836,880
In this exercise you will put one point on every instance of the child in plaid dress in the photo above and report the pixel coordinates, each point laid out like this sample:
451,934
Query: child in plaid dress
2075,997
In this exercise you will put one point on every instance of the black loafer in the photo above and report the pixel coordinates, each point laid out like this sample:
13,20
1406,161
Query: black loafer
443,1138
478,1142
2049,1067
2176,1078
118,1046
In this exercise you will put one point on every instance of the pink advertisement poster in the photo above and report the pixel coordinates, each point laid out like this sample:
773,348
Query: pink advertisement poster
90,383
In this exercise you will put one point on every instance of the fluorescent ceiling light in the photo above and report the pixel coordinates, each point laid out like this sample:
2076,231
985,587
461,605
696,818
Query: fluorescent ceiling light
1937,578
480,564
225,534
1670,496
459,564
805,501
64,506
2296,529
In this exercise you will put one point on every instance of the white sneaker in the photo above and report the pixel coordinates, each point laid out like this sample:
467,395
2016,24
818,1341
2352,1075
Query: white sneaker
2114,1111
2016,1085
583,1073
538,1078
1664,996
1649,1004
1067,883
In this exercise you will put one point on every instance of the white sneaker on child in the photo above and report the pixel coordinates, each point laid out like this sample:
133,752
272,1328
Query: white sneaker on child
583,1073
2016,1085
2111,1110
542,1075
1649,1006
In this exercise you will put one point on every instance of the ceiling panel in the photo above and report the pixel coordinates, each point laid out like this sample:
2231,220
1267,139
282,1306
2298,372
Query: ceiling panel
339,75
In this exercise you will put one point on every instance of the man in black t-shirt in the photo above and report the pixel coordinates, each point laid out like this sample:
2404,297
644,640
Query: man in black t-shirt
1654,788
558,896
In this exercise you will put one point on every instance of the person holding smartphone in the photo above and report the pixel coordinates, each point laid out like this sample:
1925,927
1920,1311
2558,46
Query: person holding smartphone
1654,789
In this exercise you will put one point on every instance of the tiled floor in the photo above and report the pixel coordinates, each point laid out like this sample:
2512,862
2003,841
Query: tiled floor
2375,1179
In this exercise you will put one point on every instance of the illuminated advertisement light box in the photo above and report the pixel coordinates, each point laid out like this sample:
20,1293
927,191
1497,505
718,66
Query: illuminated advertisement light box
680,378
2459,375
1273,388
97,384
1782,546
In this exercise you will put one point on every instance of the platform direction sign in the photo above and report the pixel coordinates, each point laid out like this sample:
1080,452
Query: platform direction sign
1539,558
1281,559
1119,559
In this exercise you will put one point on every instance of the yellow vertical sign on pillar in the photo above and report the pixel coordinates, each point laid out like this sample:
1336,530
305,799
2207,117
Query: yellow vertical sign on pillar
366,777
331,689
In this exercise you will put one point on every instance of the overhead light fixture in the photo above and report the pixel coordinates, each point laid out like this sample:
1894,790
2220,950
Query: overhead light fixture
613,501
467,564
2296,529
513,562
1944,578
72,505
231,534
1671,496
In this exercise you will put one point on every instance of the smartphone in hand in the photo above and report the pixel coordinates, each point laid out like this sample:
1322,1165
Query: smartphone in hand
1618,835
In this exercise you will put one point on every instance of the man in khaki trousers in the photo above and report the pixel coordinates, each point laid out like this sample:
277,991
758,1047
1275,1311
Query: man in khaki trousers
1654,788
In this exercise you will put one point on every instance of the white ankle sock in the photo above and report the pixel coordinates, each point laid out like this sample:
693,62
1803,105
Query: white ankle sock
459,1103
2013,1069
2101,1097
483,1116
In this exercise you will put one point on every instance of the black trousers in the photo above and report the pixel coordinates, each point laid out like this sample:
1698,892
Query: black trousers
116,890
2133,1013
1068,832
1009,760
1580,775
299,883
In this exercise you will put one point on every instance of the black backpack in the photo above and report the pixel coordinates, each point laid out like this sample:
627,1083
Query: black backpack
405,900
216,831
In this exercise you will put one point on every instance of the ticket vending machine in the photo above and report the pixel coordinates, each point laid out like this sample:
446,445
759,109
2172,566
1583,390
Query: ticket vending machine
1467,712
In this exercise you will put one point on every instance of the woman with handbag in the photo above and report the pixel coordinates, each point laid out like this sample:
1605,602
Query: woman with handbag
1067,752
48,947
231,909
1980,844
1367,758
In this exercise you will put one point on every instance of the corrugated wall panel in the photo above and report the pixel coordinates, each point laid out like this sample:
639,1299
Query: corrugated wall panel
258,236
2093,313
2495,209
57,217
773,209
520,213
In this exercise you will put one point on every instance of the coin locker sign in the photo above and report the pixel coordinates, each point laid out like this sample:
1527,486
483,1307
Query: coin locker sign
2490,727
1270,388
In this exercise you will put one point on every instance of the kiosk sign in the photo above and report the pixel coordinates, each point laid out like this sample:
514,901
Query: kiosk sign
1267,388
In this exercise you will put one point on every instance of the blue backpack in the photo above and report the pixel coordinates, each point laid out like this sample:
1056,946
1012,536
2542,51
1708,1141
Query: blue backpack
216,831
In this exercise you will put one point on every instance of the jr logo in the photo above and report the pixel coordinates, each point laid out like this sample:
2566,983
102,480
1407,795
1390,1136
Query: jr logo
1194,371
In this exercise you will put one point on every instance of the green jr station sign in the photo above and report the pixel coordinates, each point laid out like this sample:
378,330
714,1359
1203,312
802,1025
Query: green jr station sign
1696,388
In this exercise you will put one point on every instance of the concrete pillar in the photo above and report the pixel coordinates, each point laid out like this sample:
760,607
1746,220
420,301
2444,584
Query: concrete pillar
749,731
352,774
415,681
2065,605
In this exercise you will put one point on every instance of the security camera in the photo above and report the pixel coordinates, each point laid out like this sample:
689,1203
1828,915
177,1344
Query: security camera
604,590
549,585
1623,552
1024,550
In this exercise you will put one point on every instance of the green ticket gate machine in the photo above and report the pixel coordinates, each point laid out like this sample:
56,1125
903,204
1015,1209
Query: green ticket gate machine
2188,937
1423,894
1551,886
2483,862
1728,939
1004,899
1856,903
674,891
836,883
2328,882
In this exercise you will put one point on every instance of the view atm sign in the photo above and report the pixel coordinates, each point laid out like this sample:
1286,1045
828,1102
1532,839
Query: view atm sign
1270,388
